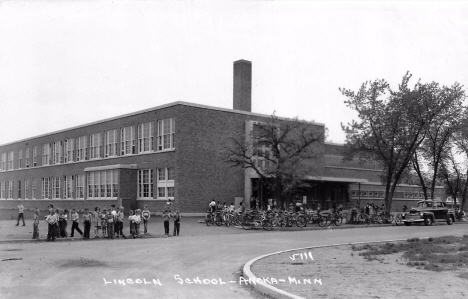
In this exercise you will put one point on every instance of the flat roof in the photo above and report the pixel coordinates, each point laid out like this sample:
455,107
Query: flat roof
336,179
153,109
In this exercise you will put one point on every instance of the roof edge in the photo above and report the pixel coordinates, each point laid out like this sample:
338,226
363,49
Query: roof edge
149,110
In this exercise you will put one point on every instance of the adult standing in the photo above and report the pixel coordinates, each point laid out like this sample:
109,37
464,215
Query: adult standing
20,214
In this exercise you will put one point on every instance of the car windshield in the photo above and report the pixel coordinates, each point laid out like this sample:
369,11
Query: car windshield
424,204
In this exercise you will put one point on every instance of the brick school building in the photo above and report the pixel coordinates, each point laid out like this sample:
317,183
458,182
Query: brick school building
168,152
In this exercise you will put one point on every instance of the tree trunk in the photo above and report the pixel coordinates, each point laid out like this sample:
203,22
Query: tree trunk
279,192
418,171
388,196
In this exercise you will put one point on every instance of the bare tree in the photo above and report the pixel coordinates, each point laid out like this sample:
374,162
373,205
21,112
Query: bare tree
281,151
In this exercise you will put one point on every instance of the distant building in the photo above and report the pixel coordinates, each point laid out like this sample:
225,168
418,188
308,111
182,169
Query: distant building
168,152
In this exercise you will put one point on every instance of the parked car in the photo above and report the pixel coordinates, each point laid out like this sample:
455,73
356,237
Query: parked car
427,212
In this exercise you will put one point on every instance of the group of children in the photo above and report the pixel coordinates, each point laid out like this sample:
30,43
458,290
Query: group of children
108,221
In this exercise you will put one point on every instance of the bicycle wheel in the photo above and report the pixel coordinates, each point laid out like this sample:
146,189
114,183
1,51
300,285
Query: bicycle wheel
398,220
237,220
338,220
219,220
247,223
387,217
322,221
228,221
363,218
208,220
301,221
376,219
283,222
266,224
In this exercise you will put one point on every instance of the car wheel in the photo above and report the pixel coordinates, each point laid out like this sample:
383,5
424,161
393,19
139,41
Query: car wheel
407,223
428,220
450,220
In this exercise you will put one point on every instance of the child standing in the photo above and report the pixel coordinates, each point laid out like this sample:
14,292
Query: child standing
36,224
104,223
136,222
130,218
51,221
75,223
110,225
146,216
86,223
96,221
176,217
166,217
120,219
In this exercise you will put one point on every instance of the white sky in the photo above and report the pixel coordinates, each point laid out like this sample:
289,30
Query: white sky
67,63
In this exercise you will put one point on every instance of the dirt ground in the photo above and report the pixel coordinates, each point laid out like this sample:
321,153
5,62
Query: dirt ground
345,274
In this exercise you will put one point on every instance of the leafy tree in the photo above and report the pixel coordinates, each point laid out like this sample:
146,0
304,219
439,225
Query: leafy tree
439,139
281,151
393,123
454,177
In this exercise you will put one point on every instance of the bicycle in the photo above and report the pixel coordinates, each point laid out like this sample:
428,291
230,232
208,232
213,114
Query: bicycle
398,219
334,218
315,218
209,219
254,219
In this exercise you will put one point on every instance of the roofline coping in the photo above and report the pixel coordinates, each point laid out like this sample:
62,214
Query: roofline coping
149,110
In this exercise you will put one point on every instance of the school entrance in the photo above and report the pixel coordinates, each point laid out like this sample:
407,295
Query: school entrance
328,192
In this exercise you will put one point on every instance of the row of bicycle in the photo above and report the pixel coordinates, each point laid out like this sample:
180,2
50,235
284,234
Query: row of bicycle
270,219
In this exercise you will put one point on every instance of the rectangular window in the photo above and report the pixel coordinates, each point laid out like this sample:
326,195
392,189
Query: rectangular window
45,188
127,140
145,183
10,189
68,183
145,137
69,150
166,132
81,149
19,189
166,177
3,164
26,188
80,185
20,158
10,160
2,189
27,157
110,143
102,184
46,154
95,146
34,156
33,195
56,188
57,149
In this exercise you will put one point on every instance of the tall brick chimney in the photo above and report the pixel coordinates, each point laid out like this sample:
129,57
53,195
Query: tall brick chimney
243,85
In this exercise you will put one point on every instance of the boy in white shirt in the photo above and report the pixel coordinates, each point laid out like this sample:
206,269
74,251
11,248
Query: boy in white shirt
145,216
51,221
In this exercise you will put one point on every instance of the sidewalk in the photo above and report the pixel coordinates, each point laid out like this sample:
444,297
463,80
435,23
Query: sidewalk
10,232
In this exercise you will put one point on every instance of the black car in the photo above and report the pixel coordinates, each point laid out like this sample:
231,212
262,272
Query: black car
429,211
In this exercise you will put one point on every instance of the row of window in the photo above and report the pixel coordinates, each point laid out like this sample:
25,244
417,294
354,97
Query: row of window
94,185
97,146
380,194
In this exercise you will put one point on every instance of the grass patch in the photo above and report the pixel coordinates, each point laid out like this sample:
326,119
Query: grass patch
433,254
